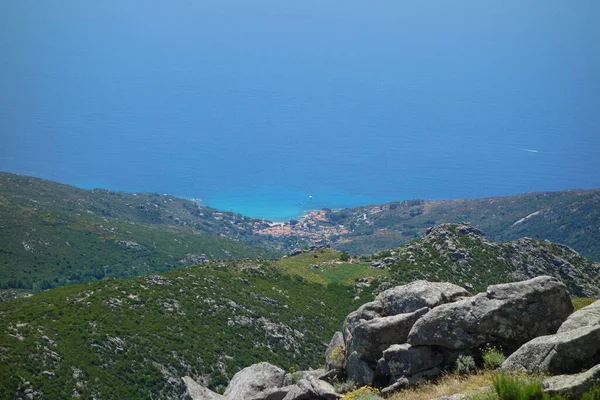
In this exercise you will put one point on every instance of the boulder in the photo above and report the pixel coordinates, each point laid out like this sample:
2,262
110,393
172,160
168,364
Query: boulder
313,373
365,312
589,315
312,389
572,386
404,359
252,380
274,393
416,295
507,315
194,391
563,353
370,338
335,352
358,370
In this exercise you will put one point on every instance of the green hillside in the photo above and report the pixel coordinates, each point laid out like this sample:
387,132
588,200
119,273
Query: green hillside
55,234
568,217
130,339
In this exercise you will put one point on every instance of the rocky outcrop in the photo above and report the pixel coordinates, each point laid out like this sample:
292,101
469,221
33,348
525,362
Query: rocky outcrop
413,332
264,381
251,381
407,360
589,315
335,351
508,315
575,345
572,386
370,338
312,389
419,294
563,353
193,391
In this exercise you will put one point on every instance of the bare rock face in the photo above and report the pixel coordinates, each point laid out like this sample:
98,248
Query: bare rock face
407,360
367,311
251,381
370,338
358,370
312,389
572,386
508,315
194,391
416,295
563,353
332,361
589,315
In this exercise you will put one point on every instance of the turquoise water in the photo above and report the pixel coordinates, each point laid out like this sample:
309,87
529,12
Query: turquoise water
254,106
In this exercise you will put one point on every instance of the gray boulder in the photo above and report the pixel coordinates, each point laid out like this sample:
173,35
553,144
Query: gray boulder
252,380
508,315
274,393
312,389
194,391
370,338
572,386
358,370
589,315
313,373
335,352
416,295
365,312
407,360
563,353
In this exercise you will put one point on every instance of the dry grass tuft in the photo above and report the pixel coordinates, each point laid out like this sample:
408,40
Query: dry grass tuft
447,385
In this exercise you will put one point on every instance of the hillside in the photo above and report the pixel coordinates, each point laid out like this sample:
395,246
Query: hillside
568,217
54,234
461,254
135,338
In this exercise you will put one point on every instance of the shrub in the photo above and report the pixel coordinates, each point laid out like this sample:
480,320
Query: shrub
580,302
512,388
336,358
344,256
492,358
464,365
343,387
593,394
364,393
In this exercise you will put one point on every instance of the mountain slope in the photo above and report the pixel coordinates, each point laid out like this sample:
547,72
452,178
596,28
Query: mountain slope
55,234
124,339
461,254
568,217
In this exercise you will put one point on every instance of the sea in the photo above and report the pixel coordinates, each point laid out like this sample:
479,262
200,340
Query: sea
273,108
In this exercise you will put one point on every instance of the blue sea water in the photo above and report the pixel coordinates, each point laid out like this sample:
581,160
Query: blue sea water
255,106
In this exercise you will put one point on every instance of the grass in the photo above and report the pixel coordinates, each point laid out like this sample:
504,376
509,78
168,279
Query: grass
447,385
329,268
580,302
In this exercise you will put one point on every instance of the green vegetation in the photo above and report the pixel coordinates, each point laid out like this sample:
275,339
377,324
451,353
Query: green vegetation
135,338
492,358
509,387
458,254
363,393
55,234
568,217
593,394
465,365
325,266
580,302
